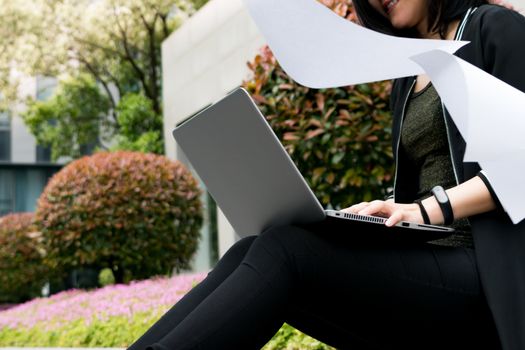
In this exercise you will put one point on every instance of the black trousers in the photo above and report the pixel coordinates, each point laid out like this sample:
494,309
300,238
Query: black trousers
350,293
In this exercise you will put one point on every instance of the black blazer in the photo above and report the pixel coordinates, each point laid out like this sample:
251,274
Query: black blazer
497,45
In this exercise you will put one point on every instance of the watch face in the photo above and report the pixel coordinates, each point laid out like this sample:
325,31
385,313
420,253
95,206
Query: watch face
440,195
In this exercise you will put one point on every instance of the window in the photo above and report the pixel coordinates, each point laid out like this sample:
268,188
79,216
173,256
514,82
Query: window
5,137
43,154
7,192
21,185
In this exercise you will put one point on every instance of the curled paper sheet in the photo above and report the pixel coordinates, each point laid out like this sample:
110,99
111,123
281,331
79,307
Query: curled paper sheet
320,49
490,115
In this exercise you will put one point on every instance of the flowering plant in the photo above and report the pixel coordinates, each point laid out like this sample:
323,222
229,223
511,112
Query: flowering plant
113,316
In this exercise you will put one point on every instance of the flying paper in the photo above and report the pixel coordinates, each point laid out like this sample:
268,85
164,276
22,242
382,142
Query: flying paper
489,115
320,49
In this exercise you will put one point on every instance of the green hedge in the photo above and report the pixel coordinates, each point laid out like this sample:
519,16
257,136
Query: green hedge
114,332
121,332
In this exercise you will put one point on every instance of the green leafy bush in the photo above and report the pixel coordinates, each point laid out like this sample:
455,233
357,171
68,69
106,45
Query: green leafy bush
22,274
339,138
105,277
117,331
137,214
140,127
71,119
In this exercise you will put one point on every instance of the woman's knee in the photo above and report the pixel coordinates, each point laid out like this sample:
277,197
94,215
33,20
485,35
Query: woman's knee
238,250
278,232
272,252
233,256
286,238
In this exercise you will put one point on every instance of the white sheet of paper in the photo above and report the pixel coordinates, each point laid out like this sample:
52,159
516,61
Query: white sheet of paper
490,115
320,49
506,177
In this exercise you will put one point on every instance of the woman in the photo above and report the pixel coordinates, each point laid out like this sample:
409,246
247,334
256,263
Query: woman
371,294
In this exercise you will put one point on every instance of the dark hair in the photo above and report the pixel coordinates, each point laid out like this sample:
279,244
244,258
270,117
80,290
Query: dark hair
440,14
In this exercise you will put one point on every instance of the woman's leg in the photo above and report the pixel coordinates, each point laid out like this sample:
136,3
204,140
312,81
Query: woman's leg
397,297
247,308
183,307
381,294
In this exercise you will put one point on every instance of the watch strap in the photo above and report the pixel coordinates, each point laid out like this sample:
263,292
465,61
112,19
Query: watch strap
424,214
444,203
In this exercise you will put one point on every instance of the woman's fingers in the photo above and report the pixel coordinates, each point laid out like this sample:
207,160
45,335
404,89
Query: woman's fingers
375,207
396,217
393,211
354,209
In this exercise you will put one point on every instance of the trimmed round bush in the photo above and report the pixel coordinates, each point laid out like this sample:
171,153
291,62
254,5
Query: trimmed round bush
22,273
137,214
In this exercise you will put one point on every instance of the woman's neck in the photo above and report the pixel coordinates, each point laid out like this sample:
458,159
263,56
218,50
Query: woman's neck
450,34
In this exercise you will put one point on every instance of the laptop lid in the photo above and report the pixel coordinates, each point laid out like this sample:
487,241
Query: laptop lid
245,168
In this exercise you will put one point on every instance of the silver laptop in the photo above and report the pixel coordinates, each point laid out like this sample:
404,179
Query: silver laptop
251,176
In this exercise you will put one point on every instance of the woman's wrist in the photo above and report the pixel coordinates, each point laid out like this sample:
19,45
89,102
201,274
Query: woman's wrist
433,210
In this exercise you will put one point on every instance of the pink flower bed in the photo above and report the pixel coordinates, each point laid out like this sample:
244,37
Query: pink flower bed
152,296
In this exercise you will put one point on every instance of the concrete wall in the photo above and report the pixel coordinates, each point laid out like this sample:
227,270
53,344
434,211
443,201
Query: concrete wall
202,61
23,143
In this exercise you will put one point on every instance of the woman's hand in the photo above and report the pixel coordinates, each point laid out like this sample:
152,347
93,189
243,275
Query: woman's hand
472,197
395,212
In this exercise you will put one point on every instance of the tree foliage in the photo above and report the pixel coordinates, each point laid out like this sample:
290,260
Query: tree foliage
116,42
71,119
140,125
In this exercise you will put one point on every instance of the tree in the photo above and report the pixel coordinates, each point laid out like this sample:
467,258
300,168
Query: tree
139,125
71,119
116,42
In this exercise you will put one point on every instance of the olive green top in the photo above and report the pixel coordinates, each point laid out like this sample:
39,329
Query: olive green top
424,140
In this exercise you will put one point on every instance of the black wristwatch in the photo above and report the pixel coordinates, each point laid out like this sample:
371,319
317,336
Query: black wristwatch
444,203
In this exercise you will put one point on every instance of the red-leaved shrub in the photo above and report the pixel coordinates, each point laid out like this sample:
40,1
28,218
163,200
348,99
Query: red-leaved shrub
22,273
137,214
340,138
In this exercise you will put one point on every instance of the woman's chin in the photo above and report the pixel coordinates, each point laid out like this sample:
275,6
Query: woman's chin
400,23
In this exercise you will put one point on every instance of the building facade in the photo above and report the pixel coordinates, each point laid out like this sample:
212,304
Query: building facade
25,167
